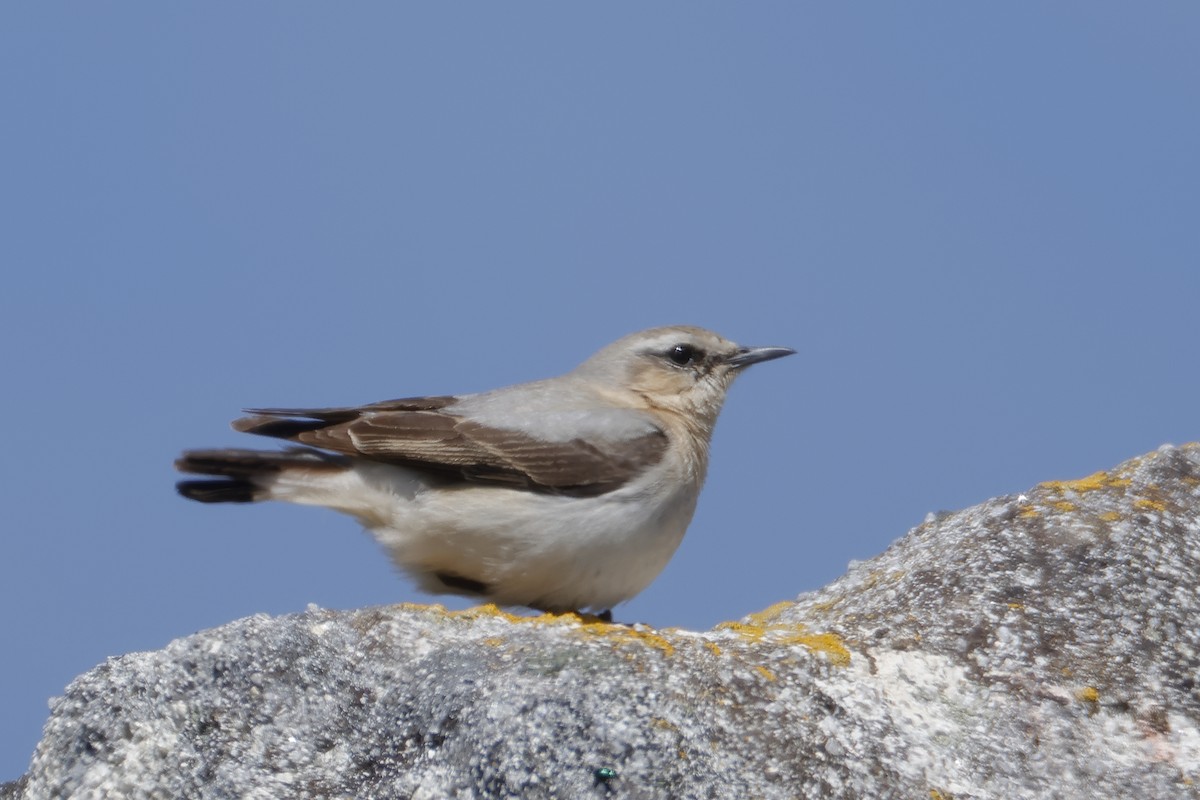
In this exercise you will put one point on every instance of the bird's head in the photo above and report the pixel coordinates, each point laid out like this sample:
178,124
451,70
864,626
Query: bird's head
681,369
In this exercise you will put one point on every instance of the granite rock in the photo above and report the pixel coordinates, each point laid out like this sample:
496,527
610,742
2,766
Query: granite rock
1041,645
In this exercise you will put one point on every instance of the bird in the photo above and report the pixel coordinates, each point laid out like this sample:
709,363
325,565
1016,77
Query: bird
567,494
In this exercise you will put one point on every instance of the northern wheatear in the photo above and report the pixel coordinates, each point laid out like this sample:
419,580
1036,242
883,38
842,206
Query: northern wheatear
563,494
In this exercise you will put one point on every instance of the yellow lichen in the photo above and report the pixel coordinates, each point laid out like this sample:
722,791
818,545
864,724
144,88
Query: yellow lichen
1153,505
787,635
716,651
1088,694
828,643
1110,516
587,624
494,641
1030,511
1017,606
766,673
623,634
1064,505
1091,483
495,612
751,632
769,615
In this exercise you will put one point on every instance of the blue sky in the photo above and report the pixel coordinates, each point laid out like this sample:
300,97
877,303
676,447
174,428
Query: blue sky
977,225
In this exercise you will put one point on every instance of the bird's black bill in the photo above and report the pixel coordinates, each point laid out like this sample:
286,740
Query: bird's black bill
753,355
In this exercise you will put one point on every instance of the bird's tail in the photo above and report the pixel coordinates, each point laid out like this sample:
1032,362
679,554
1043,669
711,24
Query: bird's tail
246,476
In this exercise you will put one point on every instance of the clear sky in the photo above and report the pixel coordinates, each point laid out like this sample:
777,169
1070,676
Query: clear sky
979,226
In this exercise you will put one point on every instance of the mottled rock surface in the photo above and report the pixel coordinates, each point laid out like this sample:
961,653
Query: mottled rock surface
1043,645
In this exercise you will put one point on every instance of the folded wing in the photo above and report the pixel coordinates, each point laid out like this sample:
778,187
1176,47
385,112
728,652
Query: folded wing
588,454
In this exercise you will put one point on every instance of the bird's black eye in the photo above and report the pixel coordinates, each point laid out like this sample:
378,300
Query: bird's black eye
684,354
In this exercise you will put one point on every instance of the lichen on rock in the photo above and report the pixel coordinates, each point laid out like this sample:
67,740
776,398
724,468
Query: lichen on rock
1033,646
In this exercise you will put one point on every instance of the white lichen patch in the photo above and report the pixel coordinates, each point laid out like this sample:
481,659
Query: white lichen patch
928,699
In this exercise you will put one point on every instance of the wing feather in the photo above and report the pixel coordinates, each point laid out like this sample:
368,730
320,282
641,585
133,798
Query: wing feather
424,433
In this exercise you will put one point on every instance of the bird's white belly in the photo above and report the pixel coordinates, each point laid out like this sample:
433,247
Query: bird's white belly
547,551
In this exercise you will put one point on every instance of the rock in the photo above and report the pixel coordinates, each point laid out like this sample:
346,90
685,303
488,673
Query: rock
12,790
1034,646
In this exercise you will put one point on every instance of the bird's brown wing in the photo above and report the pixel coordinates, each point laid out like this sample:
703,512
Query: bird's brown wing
425,434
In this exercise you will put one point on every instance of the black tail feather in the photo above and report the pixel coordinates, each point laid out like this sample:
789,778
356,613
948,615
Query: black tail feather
219,491
242,474
234,463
